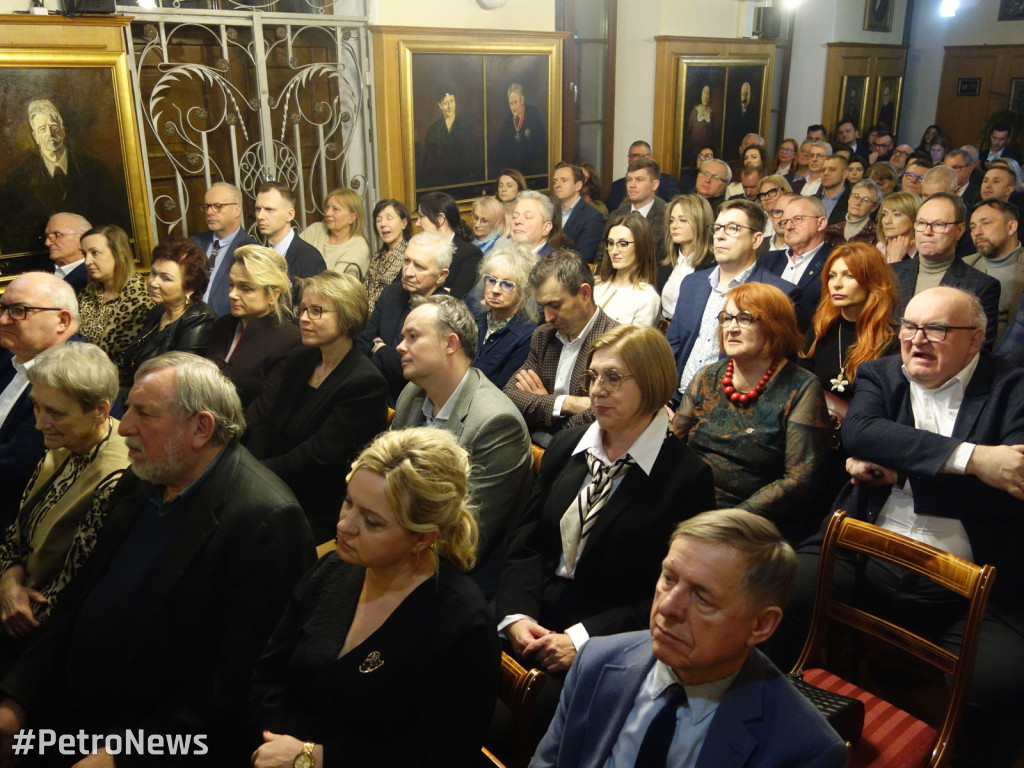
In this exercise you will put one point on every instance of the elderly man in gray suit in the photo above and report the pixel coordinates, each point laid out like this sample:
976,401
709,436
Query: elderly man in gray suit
439,342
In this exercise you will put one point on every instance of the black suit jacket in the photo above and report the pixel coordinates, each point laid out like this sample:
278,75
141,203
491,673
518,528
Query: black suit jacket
809,284
303,259
218,294
668,188
309,437
615,575
204,619
839,212
959,275
585,227
879,427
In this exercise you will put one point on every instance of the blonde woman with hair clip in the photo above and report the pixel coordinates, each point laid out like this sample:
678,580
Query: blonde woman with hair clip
359,669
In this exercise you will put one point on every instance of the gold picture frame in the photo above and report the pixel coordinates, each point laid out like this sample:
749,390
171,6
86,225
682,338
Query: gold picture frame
101,163
878,15
888,98
482,67
853,101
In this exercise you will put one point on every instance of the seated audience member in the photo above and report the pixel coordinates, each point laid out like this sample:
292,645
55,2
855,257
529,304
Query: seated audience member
642,183
688,176
114,303
488,216
250,344
340,237
437,348
854,323
995,236
275,212
25,331
944,469
712,178
392,598
330,403
592,190
506,315
754,156
895,230
803,222
758,420
775,208
926,138
835,191
199,554
885,176
636,684
857,225
438,212
881,146
940,178
625,278
618,194
62,238
581,223
180,321
687,248
548,389
533,223
507,188
913,176
856,169
817,153
607,494
222,207
939,225
694,333
424,271
938,148
391,218
785,156
67,500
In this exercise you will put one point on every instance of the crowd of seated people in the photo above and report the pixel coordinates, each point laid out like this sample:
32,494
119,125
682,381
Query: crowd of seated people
747,353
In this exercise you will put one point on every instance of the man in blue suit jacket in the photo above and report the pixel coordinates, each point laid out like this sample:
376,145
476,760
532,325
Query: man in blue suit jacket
222,205
705,621
694,331
807,253
580,221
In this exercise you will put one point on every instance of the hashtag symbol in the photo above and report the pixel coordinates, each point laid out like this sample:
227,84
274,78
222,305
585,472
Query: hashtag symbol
24,741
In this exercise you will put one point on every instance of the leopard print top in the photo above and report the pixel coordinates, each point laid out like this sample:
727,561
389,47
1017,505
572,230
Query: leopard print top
114,326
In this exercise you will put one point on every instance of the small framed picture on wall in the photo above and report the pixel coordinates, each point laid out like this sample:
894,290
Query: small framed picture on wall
878,15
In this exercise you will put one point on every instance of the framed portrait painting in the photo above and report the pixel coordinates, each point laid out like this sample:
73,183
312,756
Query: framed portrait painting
456,109
721,102
1011,10
878,15
888,94
853,100
70,145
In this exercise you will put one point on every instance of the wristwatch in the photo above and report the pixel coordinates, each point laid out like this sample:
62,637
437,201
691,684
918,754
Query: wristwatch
305,758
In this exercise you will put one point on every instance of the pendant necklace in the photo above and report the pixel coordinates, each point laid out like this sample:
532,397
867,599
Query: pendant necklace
840,382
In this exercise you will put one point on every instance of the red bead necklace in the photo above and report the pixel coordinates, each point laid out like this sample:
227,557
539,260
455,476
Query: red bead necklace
744,399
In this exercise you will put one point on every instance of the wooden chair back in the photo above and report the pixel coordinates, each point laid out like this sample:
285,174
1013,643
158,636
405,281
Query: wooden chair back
519,690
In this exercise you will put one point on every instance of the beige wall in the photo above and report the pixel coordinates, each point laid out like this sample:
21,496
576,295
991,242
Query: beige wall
525,15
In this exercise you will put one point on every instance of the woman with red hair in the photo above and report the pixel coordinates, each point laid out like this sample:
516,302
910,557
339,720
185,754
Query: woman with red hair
758,420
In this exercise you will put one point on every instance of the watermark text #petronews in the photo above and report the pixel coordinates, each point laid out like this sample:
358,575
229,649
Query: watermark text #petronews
43,741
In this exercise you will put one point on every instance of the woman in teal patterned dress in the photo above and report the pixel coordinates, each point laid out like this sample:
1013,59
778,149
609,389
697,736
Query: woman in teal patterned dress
757,419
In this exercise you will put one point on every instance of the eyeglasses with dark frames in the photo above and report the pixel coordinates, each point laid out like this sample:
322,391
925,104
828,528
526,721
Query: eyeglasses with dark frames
217,207
315,311
620,244
20,311
731,229
938,227
932,331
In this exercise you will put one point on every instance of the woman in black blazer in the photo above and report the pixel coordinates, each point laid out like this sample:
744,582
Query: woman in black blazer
180,321
331,402
251,343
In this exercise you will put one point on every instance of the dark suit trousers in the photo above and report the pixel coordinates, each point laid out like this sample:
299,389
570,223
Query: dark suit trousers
990,734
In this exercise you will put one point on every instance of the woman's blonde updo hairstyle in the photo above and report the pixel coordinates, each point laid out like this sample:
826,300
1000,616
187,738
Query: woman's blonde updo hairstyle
426,473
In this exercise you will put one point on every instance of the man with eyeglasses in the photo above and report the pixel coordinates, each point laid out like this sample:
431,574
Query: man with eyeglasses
445,391
222,207
900,155
580,221
667,185
694,331
798,169
963,164
857,226
913,176
937,440
998,254
817,153
37,311
939,225
712,179
642,183
881,147
63,238
800,263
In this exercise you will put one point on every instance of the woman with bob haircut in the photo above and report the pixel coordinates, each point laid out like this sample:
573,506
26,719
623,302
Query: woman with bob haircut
394,228
250,344
181,321
386,619
625,278
760,422
332,400
113,305
489,229
506,316
687,247
646,483
509,184
67,500
341,236
895,230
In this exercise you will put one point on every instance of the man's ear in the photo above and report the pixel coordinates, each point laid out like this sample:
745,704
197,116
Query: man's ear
767,621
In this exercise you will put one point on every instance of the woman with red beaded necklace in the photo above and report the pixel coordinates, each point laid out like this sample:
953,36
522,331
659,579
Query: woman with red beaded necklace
758,420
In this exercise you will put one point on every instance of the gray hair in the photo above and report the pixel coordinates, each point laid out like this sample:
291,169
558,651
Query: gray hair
441,247
941,174
453,317
962,154
201,387
61,294
44,107
516,88
78,369
81,223
823,145
725,174
759,137
236,193
547,208
520,261
871,186
815,202
970,151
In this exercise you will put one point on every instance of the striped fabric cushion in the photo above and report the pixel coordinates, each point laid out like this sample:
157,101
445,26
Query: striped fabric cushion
891,737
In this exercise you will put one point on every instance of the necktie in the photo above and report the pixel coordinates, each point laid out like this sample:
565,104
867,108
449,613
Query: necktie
581,515
654,748
60,179
213,253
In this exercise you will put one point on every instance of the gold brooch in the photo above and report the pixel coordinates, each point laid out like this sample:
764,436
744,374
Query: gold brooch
371,663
